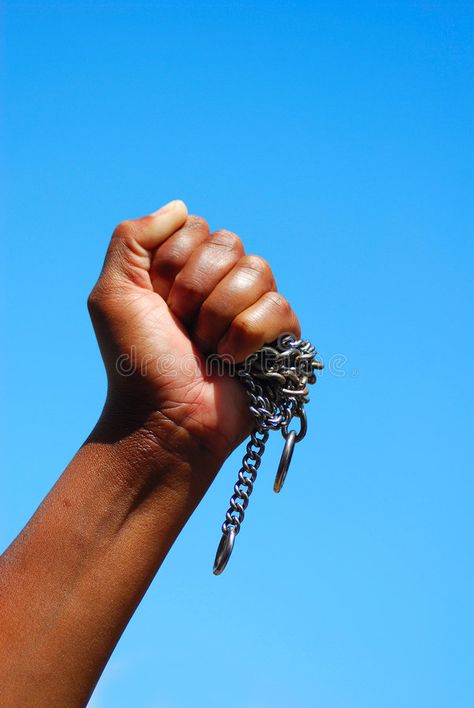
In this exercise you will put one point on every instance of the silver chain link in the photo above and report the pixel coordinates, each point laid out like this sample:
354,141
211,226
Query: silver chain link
276,378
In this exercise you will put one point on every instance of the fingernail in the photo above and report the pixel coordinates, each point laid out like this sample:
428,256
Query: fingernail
167,207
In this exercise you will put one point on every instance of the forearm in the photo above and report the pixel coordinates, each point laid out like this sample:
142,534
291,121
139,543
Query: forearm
72,579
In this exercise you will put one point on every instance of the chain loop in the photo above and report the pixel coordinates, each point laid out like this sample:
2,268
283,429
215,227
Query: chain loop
301,414
286,455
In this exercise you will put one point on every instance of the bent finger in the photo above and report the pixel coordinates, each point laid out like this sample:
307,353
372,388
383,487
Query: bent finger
270,317
206,267
174,252
250,278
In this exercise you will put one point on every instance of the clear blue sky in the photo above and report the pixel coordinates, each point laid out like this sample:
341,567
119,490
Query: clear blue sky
337,140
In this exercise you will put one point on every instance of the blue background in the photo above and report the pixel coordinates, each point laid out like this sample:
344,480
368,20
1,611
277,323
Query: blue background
337,140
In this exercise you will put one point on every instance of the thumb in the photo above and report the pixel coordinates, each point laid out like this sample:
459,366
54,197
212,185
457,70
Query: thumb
134,241
158,226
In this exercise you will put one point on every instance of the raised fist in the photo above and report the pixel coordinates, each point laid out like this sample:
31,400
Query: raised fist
170,293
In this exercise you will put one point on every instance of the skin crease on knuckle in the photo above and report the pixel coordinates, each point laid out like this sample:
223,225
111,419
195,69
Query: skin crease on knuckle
126,235
126,260
171,257
245,284
263,322
253,271
102,295
122,229
227,239
206,267
175,251
256,263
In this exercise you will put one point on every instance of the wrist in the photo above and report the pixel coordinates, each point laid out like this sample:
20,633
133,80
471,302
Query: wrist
150,449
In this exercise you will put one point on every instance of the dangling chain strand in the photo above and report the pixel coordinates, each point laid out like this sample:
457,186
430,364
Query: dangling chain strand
276,379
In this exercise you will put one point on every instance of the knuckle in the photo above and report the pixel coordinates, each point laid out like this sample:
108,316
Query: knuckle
256,264
283,312
102,297
125,236
244,328
227,239
92,301
95,301
169,261
197,223
279,302
187,287
124,229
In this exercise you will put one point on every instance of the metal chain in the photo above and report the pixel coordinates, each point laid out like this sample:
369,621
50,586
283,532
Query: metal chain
276,378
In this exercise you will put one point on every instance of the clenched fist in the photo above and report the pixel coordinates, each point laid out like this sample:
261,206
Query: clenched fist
169,294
